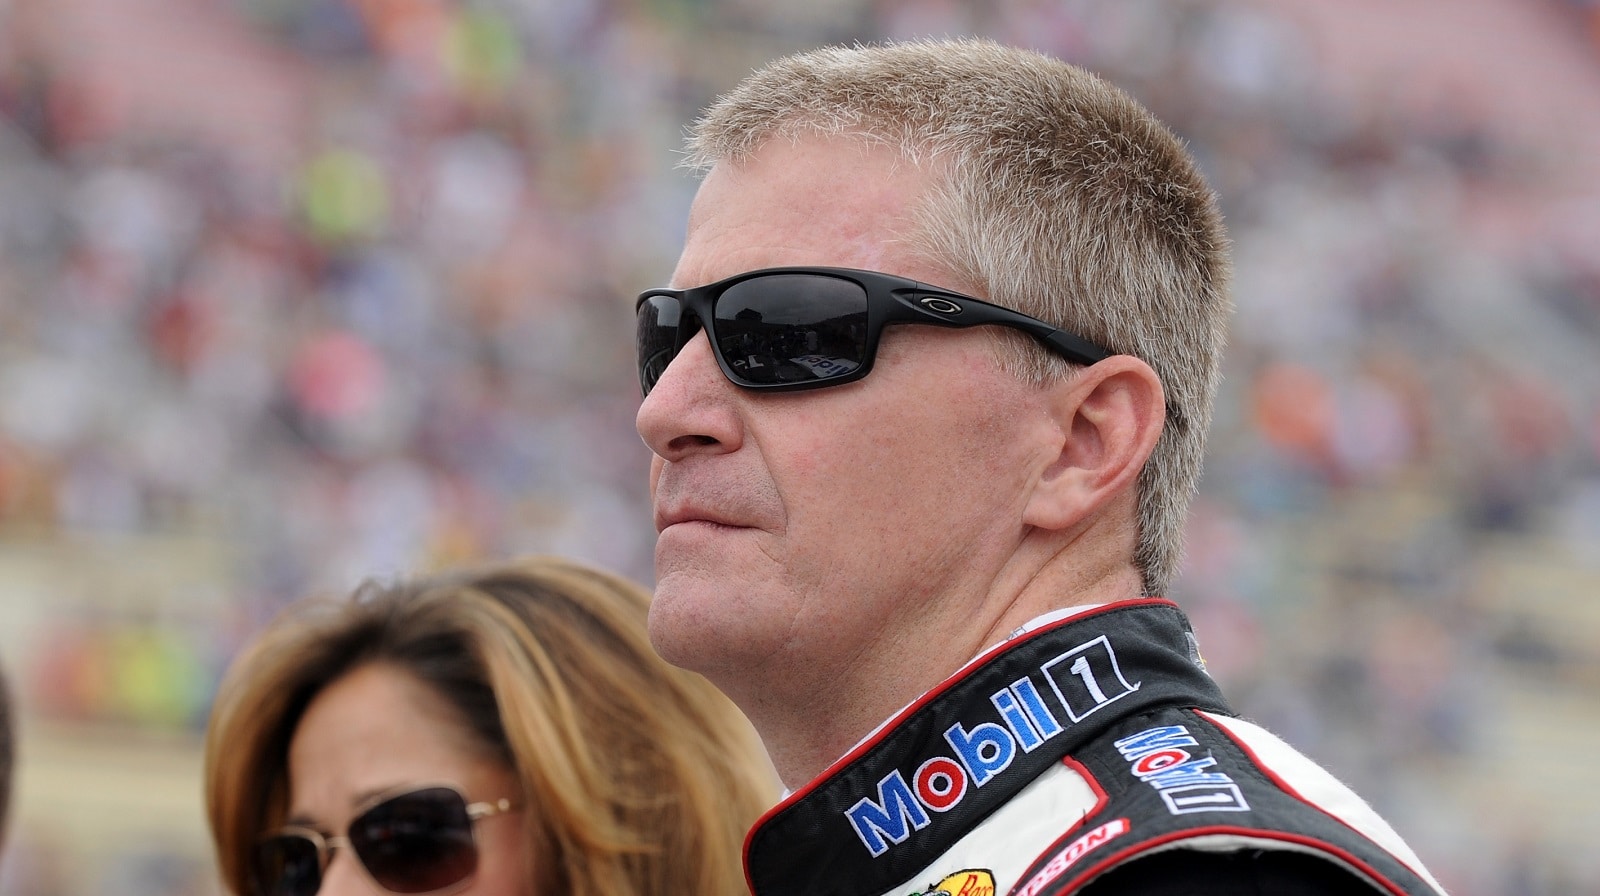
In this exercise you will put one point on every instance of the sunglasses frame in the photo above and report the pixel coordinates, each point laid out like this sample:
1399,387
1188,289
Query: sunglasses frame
325,843
890,300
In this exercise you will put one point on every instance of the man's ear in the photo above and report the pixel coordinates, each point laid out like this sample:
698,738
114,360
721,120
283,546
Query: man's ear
1110,416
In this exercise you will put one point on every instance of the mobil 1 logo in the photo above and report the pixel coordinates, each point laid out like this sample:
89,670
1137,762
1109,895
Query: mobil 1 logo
1090,678
982,746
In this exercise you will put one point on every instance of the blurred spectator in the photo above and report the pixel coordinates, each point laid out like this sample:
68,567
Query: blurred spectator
511,722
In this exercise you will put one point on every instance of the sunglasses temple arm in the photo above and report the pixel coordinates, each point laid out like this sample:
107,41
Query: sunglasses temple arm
476,811
1071,346
1074,348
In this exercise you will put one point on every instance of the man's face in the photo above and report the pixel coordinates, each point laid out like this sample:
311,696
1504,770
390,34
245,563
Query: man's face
809,537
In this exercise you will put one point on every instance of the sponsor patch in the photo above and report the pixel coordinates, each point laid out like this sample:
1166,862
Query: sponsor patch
1084,680
1163,758
1071,853
971,882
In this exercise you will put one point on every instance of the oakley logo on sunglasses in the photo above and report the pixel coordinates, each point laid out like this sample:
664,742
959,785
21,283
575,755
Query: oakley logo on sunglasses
797,328
420,841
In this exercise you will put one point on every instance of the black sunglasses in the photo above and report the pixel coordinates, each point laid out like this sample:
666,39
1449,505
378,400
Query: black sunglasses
419,841
806,328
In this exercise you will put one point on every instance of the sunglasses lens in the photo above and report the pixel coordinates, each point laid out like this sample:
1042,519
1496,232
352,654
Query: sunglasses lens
287,866
784,329
657,338
417,842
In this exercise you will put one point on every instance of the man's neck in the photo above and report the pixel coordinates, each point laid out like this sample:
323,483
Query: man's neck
809,727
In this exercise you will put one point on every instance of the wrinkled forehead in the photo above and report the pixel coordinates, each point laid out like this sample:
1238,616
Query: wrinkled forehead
807,201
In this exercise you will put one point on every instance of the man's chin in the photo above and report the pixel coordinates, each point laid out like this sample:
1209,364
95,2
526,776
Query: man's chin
700,626
683,624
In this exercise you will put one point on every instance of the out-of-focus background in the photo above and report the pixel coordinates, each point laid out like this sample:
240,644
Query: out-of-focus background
294,292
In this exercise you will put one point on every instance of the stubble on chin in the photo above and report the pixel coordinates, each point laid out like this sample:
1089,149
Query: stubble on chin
684,624
705,621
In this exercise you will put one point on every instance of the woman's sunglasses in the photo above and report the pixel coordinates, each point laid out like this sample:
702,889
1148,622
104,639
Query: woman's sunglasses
806,328
419,841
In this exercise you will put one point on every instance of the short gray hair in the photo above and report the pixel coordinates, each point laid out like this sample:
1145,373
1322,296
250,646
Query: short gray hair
1057,194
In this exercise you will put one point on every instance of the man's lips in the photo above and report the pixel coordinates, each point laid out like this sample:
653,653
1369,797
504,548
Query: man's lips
676,516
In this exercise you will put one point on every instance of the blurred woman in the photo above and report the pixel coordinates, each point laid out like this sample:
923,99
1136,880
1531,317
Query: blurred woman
505,730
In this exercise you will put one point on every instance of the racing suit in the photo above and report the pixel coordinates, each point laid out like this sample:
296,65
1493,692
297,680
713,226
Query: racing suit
1066,753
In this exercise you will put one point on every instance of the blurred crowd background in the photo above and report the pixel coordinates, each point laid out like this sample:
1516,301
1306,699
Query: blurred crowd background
299,292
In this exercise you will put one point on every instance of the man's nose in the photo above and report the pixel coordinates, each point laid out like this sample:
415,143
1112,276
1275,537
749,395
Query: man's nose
692,407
